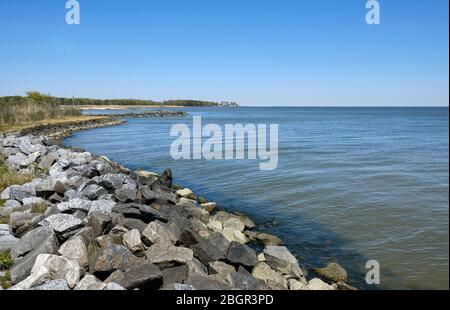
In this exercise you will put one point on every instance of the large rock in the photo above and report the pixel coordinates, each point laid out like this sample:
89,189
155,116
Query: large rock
18,219
177,274
27,146
75,204
221,268
47,161
333,272
53,285
280,259
223,216
99,222
146,178
157,232
220,242
90,283
295,285
102,205
94,191
112,286
19,160
41,240
209,206
75,249
318,285
185,192
126,194
234,223
207,252
72,194
185,202
234,235
18,192
63,224
243,280
141,212
111,181
242,255
51,267
132,240
144,276
196,212
110,258
7,240
168,255
201,282
132,224
263,272
268,239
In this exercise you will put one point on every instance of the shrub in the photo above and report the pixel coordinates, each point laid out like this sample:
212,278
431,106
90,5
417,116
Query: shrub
34,107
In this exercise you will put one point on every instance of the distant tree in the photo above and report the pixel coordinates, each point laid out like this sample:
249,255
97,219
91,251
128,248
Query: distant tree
38,97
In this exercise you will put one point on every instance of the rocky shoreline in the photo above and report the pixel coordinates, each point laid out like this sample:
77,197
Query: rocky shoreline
87,223
150,114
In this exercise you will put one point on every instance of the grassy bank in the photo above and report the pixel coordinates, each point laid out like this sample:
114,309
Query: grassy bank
10,177
33,108
68,120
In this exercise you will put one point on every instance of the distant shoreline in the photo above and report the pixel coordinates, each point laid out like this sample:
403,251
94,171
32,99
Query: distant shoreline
122,107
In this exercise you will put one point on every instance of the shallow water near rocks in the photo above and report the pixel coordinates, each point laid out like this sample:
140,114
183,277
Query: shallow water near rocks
352,184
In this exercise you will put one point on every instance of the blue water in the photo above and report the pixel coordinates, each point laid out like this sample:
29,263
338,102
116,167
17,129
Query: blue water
352,184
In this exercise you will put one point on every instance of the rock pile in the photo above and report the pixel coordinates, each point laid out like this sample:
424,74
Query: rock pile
100,226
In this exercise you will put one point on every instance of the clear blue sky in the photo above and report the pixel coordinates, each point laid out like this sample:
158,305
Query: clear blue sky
255,52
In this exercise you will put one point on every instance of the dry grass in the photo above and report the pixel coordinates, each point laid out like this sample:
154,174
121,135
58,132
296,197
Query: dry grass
31,111
64,120
5,281
10,177
39,208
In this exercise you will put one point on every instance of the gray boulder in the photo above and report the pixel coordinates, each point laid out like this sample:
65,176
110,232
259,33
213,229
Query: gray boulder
280,259
47,161
90,283
19,219
75,249
75,204
201,282
99,222
51,267
7,241
54,285
93,191
110,181
41,240
141,212
17,192
143,276
110,258
102,205
112,286
157,232
333,272
207,252
126,194
241,254
168,255
243,280
64,225
19,160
